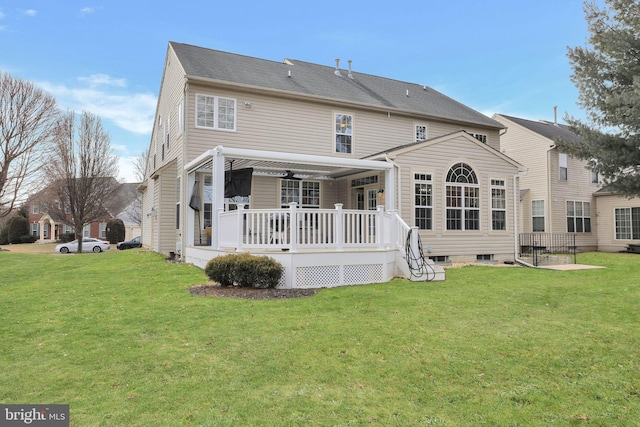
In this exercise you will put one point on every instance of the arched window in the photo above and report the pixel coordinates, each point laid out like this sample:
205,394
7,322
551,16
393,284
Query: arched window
462,198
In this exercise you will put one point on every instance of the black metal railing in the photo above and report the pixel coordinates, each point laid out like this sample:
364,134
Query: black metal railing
544,248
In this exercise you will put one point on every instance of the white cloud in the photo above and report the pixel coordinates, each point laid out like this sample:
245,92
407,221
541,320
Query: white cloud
104,97
31,12
87,10
102,80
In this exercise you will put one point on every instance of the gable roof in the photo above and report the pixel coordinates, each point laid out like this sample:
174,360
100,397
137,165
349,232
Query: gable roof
319,81
444,138
544,128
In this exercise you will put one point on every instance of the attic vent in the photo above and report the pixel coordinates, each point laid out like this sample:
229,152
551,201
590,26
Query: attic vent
337,71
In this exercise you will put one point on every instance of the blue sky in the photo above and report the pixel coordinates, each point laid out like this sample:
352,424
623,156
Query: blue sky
106,57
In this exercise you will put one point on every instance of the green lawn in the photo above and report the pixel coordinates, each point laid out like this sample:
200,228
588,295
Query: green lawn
118,337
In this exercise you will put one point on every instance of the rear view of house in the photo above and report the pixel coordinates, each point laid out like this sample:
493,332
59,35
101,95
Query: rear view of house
327,169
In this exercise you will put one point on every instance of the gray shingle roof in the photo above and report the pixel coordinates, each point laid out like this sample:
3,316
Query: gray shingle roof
315,80
547,129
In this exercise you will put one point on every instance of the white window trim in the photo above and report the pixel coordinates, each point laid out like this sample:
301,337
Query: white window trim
215,112
562,164
482,137
428,206
180,114
299,201
544,215
335,133
629,210
463,208
415,131
503,187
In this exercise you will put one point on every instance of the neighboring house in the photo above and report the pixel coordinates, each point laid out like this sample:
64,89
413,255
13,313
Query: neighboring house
559,194
49,225
332,169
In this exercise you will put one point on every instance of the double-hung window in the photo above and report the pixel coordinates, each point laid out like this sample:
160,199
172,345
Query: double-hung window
462,198
421,132
562,161
498,204
578,217
214,112
344,133
423,200
537,216
305,193
627,223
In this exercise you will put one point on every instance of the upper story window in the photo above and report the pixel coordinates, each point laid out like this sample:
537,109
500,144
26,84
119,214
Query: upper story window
479,136
423,200
180,114
594,177
462,198
421,132
34,208
344,133
562,162
213,112
498,204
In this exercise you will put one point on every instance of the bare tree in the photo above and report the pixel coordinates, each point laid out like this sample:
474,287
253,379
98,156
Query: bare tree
28,116
82,169
140,166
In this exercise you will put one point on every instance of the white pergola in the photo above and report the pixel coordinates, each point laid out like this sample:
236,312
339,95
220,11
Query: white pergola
267,162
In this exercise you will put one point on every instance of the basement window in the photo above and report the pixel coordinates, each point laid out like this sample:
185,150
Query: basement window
440,258
484,257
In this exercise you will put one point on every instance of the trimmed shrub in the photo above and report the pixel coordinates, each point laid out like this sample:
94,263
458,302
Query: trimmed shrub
28,239
18,227
67,237
245,270
115,230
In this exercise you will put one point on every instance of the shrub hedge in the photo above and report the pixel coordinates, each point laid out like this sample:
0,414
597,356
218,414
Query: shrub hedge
244,270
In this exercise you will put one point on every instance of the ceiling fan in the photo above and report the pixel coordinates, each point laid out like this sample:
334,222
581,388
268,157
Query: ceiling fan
290,175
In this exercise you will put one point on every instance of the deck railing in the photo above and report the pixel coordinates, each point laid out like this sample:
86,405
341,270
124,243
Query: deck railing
297,228
548,248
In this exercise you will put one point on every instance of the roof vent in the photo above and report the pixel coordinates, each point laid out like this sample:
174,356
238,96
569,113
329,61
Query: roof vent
337,71
350,75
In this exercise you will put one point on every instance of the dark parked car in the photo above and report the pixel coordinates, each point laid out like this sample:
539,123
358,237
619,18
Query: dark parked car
128,244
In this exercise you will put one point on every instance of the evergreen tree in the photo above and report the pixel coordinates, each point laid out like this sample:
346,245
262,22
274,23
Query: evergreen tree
607,75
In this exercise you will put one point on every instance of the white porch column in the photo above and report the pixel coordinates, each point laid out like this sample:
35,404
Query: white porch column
239,227
217,196
293,226
390,188
339,227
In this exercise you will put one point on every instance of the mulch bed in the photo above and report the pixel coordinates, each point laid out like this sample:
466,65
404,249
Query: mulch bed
215,290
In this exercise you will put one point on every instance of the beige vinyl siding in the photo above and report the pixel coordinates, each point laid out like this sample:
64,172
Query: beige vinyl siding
577,187
606,206
529,149
437,159
166,221
171,92
288,125
147,204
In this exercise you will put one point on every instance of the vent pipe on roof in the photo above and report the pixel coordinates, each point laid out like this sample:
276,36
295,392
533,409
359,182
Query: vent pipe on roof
337,72
555,115
350,75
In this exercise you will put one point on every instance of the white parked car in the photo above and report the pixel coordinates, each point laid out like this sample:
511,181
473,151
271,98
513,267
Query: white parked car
88,244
